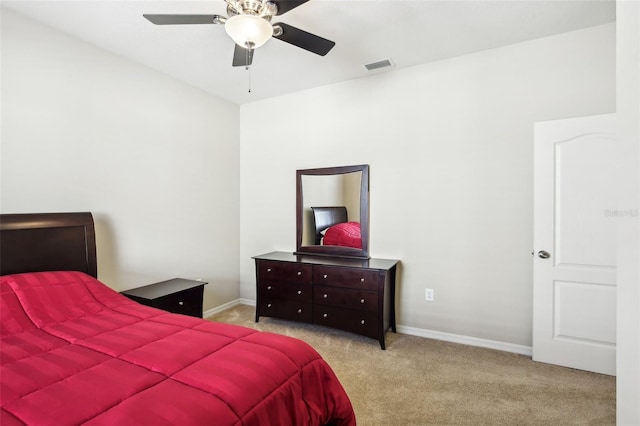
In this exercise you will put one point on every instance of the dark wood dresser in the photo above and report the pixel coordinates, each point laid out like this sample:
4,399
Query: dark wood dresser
177,295
350,294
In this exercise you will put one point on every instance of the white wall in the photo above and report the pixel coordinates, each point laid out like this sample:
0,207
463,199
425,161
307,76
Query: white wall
155,160
450,149
628,113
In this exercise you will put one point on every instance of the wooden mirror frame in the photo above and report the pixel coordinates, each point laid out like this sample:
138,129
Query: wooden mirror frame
335,251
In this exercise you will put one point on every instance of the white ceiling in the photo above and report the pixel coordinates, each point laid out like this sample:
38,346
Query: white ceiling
407,32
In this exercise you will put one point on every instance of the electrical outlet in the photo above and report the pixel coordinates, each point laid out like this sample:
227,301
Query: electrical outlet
428,294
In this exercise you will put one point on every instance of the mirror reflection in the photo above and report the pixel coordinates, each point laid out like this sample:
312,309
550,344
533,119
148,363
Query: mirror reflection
331,210
332,214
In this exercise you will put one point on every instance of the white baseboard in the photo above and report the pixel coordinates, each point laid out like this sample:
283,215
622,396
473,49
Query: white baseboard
465,340
247,302
413,331
228,305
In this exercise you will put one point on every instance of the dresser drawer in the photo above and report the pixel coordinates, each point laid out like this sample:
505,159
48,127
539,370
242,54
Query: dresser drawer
347,277
186,302
285,309
300,292
361,322
345,298
284,271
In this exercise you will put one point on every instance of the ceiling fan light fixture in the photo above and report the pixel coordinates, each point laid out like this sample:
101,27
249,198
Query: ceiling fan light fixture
248,30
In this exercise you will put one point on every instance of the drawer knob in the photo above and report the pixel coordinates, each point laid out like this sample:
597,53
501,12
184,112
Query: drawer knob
299,291
268,269
299,273
268,287
181,303
325,315
325,295
362,322
268,305
299,311
361,280
361,300
324,276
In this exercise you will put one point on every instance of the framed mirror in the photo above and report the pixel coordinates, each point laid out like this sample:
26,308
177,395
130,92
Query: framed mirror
332,211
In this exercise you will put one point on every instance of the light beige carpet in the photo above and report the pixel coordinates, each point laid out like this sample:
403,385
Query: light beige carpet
419,381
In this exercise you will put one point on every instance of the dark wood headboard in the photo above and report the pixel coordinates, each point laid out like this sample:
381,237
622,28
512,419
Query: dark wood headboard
37,242
324,217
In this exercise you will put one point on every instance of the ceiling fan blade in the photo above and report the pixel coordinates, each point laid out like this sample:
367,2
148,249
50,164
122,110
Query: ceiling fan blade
182,19
311,42
242,57
286,5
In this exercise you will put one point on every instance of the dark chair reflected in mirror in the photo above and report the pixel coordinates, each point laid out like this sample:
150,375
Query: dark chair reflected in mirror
332,211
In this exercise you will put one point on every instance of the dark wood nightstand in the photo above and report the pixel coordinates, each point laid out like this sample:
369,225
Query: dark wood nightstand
178,295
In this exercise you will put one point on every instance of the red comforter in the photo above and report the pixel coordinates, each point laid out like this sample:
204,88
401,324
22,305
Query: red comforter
74,351
345,234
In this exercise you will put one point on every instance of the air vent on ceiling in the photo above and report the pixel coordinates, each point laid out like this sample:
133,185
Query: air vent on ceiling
385,63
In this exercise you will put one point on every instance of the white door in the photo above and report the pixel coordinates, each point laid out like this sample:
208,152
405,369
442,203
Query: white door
574,241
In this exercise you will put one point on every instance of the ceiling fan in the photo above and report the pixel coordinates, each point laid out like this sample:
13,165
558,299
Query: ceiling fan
249,25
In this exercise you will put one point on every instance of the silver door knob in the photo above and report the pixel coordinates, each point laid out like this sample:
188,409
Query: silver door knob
543,254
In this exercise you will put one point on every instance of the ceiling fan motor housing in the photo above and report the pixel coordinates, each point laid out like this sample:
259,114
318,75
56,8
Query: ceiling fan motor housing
260,8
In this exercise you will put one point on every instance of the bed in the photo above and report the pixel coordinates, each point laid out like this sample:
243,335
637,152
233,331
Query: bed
332,227
74,351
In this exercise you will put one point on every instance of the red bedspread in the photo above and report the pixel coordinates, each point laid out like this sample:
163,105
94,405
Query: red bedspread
345,234
75,351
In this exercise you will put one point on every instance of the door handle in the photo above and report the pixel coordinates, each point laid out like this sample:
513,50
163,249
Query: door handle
543,254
